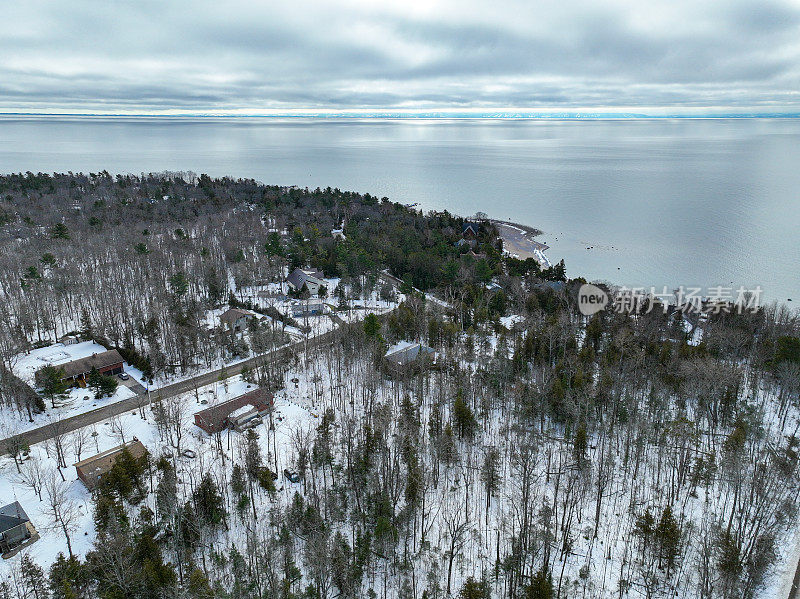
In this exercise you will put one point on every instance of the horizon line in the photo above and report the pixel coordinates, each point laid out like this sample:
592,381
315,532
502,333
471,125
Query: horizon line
431,114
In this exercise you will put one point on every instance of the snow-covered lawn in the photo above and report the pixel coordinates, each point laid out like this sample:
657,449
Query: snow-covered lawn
77,400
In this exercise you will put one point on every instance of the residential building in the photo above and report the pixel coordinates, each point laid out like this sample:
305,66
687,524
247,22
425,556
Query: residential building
409,358
108,362
15,527
312,279
235,319
91,470
470,230
309,307
231,413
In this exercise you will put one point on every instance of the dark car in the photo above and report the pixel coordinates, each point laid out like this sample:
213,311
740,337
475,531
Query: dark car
291,475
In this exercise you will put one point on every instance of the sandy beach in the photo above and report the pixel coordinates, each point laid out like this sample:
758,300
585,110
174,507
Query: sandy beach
518,241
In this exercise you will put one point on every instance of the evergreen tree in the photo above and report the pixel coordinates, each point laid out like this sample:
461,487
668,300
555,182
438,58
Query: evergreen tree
463,418
475,589
51,384
32,579
208,502
541,586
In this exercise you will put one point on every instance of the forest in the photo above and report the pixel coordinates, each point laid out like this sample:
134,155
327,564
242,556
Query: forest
545,454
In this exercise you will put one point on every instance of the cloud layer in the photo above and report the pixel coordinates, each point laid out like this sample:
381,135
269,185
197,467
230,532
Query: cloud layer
200,57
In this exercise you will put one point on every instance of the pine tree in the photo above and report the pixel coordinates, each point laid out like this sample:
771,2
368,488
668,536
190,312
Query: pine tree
208,502
32,578
668,534
51,383
541,586
463,418
580,444
475,589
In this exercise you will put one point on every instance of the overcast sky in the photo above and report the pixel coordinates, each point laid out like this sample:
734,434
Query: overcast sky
227,56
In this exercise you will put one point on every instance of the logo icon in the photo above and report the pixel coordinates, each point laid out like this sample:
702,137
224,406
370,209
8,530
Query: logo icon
591,299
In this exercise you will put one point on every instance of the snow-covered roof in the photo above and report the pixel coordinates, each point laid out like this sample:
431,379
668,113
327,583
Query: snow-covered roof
409,353
299,276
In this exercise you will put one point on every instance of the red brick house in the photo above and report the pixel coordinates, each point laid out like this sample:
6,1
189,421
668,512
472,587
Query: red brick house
107,362
234,413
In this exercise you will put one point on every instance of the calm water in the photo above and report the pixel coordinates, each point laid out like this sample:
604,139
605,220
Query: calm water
684,202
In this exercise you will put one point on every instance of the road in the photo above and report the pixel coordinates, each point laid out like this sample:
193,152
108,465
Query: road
43,433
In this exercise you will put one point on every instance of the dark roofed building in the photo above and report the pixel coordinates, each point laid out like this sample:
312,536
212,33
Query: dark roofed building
409,358
312,279
91,470
470,230
108,362
15,527
231,412
236,318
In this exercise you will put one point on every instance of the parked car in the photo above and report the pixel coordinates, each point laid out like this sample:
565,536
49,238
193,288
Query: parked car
124,376
291,475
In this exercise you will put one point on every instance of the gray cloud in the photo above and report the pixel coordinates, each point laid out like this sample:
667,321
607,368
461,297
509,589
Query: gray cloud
319,54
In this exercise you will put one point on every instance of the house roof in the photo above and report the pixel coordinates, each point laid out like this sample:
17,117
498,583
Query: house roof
11,516
474,227
260,399
408,354
233,314
102,462
85,365
299,276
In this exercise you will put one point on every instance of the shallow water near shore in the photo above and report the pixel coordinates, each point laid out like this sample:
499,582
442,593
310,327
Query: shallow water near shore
636,202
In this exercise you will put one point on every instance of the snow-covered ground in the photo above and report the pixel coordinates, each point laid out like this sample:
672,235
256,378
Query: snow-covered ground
77,400
293,407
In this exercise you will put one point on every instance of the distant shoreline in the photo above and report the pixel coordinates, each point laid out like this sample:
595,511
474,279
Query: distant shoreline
519,242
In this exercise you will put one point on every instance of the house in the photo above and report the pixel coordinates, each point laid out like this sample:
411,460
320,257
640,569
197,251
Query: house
231,413
108,362
71,339
15,528
309,307
409,358
338,234
470,230
236,319
91,470
312,279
